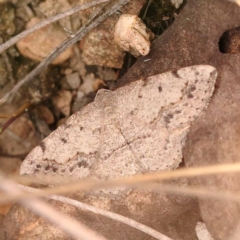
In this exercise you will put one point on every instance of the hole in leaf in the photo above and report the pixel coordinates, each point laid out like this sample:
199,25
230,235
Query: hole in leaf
229,42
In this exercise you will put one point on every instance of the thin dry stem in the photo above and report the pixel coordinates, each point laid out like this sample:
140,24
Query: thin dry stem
13,117
63,221
48,21
105,213
88,184
92,23
193,192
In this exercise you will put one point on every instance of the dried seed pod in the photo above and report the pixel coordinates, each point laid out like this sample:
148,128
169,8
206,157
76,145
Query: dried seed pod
132,35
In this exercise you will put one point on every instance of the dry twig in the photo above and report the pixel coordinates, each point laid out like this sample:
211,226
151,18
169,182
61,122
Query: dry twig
105,213
48,21
86,185
92,23
63,221
13,117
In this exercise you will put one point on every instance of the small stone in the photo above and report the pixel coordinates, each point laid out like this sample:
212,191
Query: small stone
68,71
106,74
88,81
63,101
45,114
41,43
132,35
100,49
22,128
77,64
80,94
80,101
73,80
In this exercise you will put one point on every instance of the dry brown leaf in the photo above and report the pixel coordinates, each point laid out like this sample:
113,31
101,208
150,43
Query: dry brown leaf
194,38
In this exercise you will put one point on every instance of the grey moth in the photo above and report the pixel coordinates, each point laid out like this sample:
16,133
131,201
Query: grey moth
138,128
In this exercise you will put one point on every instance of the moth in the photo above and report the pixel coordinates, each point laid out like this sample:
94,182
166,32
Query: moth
138,128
